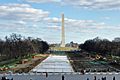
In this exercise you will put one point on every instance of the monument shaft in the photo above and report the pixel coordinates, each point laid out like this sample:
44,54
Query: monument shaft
63,32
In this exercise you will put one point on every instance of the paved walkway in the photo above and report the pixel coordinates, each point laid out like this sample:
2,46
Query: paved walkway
67,76
54,63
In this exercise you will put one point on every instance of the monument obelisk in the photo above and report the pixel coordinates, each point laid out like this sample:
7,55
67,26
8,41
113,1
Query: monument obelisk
63,32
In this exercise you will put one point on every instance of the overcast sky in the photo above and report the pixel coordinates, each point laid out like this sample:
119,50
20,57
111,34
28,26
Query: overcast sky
84,19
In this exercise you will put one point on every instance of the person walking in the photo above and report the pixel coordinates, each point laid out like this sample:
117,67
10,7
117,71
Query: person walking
30,78
46,74
94,77
102,78
3,78
63,78
114,78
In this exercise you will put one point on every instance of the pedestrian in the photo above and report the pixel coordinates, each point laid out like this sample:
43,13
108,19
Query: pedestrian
46,74
82,71
94,77
3,78
87,78
114,78
102,78
63,78
30,78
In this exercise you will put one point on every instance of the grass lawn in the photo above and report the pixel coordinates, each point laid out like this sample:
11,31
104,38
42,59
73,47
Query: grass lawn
13,63
63,48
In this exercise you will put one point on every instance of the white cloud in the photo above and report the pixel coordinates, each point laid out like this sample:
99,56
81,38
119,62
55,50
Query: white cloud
52,20
91,4
106,18
21,22
23,18
22,12
12,27
79,25
20,18
95,4
43,1
54,27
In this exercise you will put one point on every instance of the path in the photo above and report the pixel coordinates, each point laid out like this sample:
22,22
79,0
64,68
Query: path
67,76
54,63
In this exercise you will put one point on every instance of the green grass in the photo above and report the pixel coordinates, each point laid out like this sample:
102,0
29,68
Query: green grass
8,63
63,48
13,62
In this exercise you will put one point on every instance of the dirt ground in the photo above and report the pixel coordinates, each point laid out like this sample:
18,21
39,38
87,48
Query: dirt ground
82,62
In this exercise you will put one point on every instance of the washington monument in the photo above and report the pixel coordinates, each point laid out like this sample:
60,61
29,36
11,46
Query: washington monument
63,33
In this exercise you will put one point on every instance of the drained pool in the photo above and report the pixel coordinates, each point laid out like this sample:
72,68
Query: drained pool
54,63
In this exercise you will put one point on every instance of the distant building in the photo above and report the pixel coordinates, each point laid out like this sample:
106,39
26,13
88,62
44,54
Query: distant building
72,44
116,39
54,45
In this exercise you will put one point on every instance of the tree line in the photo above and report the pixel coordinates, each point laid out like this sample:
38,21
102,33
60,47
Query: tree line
102,46
15,46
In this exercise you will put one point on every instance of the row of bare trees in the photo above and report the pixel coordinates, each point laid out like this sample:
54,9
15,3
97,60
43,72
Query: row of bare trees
16,46
102,46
